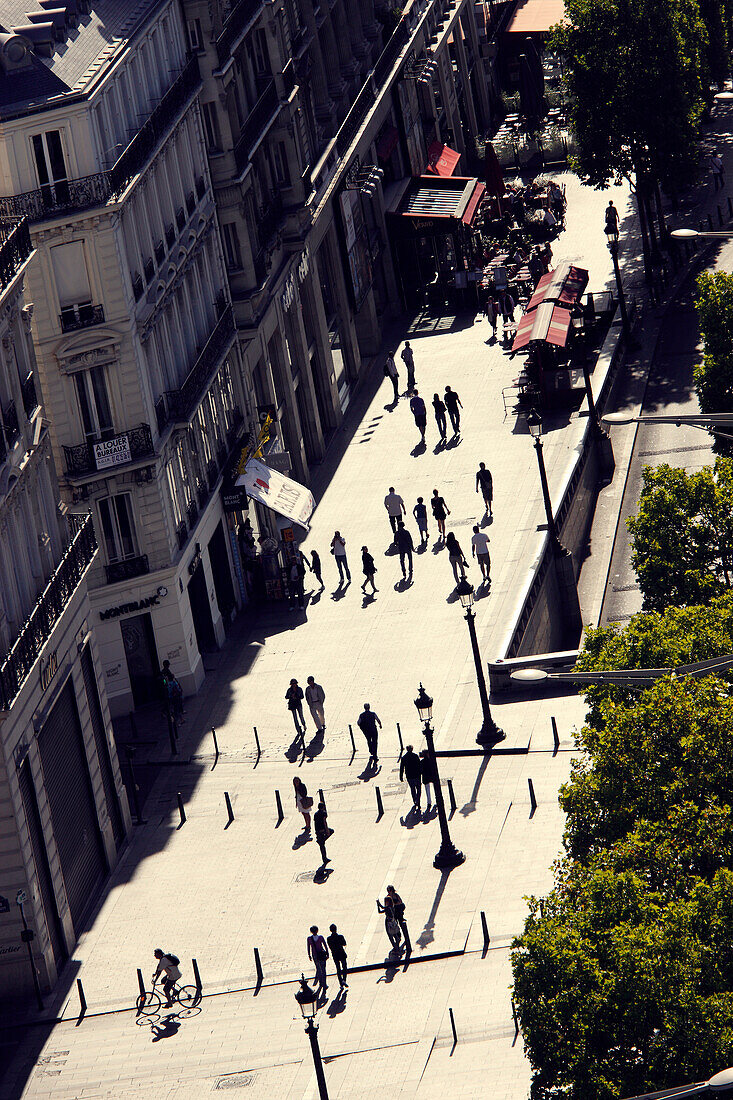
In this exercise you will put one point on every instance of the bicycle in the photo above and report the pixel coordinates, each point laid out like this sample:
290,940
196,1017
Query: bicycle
151,1002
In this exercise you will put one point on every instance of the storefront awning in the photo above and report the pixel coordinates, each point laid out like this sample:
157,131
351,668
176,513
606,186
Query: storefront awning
549,322
436,199
536,16
565,284
387,143
442,160
283,495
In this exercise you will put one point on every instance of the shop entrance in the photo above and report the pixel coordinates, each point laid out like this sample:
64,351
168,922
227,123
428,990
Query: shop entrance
222,573
142,657
201,611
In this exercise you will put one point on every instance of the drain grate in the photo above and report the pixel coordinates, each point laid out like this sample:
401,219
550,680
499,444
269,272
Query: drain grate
236,1081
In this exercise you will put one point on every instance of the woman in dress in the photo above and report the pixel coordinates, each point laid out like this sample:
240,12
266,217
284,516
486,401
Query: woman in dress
455,556
440,511
303,801
439,409
391,926
369,569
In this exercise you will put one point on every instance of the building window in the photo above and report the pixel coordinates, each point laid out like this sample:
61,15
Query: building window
72,281
260,53
204,435
182,469
96,415
280,168
195,39
214,416
230,239
173,491
53,178
118,527
211,127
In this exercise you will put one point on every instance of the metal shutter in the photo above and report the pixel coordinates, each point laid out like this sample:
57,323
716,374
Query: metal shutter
40,858
103,753
71,801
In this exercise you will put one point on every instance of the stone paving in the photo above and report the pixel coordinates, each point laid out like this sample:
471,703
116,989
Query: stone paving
214,893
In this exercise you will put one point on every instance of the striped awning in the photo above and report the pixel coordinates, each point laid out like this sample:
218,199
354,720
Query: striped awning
564,284
442,160
548,322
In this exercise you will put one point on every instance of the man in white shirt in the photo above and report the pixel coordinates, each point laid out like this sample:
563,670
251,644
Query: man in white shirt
395,506
168,966
480,551
315,697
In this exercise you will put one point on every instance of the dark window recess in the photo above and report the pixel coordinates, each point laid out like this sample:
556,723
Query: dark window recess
200,187
191,512
30,400
128,568
103,750
170,235
40,858
212,472
159,252
137,286
190,202
85,316
180,217
10,419
149,270
182,534
202,494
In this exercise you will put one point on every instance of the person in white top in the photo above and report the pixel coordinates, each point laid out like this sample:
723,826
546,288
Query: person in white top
480,551
168,965
395,506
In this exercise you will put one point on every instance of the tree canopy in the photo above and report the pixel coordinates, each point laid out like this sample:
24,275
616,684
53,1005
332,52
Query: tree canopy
714,376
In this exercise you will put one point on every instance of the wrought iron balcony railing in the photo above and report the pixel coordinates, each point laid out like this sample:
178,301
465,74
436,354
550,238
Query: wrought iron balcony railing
269,219
178,405
15,249
129,446
242,14
50,605
258,120
70,196
127,569
10,422
30,400
81,317
182,534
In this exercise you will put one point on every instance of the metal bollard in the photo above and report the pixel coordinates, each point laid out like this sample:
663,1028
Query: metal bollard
453,1026
230,811
532,798
141,982
485,929
451,796
181,810
216,746
380,807
196,975
257,742
555,735
278,803
399,734
258,967
321,796
82,1001
353,743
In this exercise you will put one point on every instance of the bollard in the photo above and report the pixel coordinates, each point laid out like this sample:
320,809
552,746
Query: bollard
720,215
82,1001
555,735
230,811
141,982
380,807
181,810
321,796
216,746
516,1021
399,734
258,968
532,798
278,803
353,744
453,1026
485,928
196,975
257,742
451,796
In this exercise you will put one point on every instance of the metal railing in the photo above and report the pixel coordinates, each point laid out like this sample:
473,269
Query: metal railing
14,251
127,569
175,405
49,607
257,122
81,317
242,14
81,460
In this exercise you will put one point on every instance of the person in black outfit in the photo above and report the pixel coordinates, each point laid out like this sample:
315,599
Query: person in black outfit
368,568
321,830
399,912
427,774
337,945
453,404
368,721
316,567
294,696
410,770
405,545
439,408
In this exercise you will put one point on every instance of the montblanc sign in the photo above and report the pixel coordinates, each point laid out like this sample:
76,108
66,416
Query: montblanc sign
126,608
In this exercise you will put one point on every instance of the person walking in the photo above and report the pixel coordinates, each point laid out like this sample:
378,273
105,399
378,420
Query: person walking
439,409
409,360
410,770
440,511
337,946
391,925
427,774
321,830
420,513
418,410
338,549
368,568
294,696
480,551
491,309
296,575
453,404
368,722
391,372
399,912
611,218
395,506
315,697
485,482
455,556
303,801
316,567
405,546
716,163
506,307
318,954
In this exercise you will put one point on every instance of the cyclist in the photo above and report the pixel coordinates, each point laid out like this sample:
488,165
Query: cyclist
169,965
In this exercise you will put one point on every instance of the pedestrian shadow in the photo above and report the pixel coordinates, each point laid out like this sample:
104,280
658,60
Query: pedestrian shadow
370,771
391,966
419,449
392,405
470,805
429,814
453,597
483,590
411,818
169,1027
294,749
301,839
338,1004
315,597
340,592
315,747
426,936
404,584
455,441
487,520
369,597
322,875
421,548
439,446
438,545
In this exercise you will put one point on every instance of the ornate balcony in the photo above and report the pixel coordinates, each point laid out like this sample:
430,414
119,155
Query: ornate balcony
127,569
81,317
15,249
258,120
243,13
50,605
182,534
269,219
89,458
192,511
178,405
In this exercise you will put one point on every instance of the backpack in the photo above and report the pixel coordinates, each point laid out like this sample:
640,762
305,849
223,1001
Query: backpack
174,959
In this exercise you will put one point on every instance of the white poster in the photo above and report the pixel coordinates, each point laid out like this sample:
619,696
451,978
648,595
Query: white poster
113,452
274,490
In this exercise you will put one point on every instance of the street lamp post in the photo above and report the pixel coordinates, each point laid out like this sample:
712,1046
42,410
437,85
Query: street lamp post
719,1084
448,855
612,237
607,461
534,423
489,733
628,677
27,936
707,422
308,1001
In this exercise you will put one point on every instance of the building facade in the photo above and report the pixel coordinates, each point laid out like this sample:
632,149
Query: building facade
62,802
103,150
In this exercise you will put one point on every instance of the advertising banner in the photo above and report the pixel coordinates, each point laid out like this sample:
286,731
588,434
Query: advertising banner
274,490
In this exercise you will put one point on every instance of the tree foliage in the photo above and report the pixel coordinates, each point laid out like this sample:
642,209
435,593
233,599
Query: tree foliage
714,376
682,535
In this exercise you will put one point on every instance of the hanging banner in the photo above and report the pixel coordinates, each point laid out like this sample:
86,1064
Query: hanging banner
274,490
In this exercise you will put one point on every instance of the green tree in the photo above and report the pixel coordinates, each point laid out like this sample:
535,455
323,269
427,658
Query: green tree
682,535
714,376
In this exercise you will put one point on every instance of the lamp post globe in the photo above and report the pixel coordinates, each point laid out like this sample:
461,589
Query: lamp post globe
307,1000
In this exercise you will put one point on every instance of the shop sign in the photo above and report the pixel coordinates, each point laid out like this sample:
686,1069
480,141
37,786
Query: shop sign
112,452
234,500
279,460
195,561
49,668
127,608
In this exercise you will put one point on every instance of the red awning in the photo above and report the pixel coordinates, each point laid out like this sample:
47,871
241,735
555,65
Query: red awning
442,160
539,292
474,203
549,322
387,143
565,284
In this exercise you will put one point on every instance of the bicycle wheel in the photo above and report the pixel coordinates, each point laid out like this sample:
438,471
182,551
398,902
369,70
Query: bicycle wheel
148,1003
189,996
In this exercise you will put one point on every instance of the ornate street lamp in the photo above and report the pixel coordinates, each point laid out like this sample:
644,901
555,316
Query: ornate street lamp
534,424
448,855
612,238
489,733
308,1001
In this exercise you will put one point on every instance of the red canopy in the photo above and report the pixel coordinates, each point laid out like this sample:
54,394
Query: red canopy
473,203
442,160
545,318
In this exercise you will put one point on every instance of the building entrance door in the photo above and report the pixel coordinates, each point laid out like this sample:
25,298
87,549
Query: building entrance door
142,657
201,610
222,573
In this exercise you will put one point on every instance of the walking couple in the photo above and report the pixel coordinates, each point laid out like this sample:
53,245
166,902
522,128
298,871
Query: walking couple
319,950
